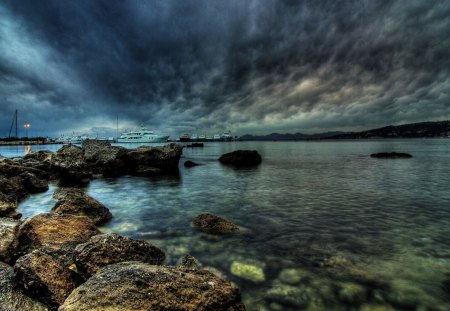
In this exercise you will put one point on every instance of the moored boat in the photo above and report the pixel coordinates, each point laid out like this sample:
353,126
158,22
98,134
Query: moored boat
142,136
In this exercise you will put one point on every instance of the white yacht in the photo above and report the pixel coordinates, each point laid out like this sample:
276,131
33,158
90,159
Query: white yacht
141,136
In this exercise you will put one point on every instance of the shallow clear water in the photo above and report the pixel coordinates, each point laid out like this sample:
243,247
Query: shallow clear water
331,228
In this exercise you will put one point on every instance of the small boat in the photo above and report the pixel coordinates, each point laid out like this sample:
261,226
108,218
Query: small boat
217,137
141,136
185,137
226,136
194,137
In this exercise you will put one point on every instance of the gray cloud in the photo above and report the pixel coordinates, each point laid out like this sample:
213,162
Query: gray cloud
249,66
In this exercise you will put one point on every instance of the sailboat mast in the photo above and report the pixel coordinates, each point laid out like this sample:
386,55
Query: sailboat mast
16,124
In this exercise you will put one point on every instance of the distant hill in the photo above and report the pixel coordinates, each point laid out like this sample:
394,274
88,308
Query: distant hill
296,136
413,130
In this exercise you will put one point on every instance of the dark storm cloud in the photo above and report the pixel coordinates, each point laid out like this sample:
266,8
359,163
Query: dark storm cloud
255,66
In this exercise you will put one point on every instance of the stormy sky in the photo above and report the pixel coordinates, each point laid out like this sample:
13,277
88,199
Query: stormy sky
248,66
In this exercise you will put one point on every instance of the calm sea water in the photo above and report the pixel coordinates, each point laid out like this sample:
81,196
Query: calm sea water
329,227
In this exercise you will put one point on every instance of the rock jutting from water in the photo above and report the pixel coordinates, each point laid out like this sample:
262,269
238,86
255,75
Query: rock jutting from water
213,224
140,286
75,166
105,249
57,235
9,228
75,202
241,158
391,155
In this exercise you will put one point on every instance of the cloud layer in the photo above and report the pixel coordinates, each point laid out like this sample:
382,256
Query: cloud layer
212,65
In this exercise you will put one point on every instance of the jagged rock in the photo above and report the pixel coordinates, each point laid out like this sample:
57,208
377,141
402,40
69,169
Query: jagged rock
12,298
67,193
74,202
45,278
40,160
214,224
34,184
106,249
190,163
248,271
10,168
12,191
55,234
391,155
189,262
70,166
140,286
155,160
241,158
104,158
9,229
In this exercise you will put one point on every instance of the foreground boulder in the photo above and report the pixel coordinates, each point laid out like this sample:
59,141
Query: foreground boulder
210,223
106,249
9,228
140,286
241,158
55,234
45,278
155,160
75,202
70,166
33,184
12,298
12,191
104,158
391,155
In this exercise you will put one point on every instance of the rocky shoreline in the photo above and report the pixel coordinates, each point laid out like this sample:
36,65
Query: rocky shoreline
61,261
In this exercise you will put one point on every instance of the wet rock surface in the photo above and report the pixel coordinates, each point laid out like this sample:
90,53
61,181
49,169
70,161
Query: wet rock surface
154,160
55,234
140,286
213,224
74,201
70,166
12,298
248,271
391,155
33,184
106,249
104,158
45,278
9,228
241,158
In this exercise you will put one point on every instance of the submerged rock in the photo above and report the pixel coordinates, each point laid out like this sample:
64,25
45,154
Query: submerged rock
140,286
45,278
70,166
292,296
292,276
155,160
248,271
55,234
75,202
106,249
352,293
214,224
391,155
9,228
12,298
241,158
104,158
